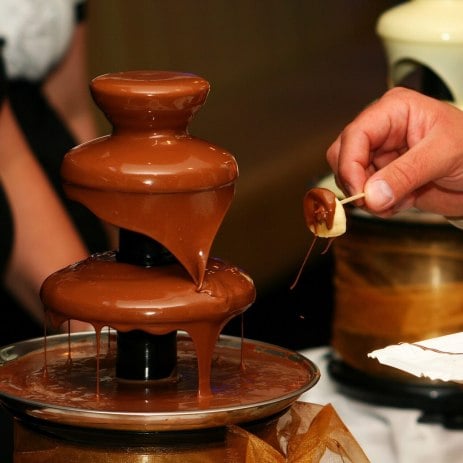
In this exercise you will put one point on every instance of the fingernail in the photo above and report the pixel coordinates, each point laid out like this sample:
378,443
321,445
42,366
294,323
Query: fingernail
379,194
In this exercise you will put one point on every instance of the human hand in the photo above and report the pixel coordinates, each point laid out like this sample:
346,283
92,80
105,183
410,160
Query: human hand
404,150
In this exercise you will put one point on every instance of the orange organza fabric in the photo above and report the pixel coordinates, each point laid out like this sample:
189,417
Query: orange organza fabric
305,434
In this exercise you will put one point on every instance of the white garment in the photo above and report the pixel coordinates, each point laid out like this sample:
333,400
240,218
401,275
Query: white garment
37,33
386,434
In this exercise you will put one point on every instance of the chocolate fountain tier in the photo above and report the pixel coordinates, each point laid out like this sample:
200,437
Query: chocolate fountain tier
268,382
150,175
102,291
155,300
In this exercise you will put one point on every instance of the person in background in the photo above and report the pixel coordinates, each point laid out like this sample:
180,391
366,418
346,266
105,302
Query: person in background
404,150
45,110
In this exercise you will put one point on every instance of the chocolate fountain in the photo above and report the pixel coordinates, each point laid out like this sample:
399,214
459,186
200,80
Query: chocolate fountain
156,364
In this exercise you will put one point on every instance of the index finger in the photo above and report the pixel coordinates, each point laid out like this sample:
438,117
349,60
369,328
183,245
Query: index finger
380,128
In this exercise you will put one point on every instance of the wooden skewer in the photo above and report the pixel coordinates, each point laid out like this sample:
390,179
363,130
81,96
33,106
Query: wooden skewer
352,198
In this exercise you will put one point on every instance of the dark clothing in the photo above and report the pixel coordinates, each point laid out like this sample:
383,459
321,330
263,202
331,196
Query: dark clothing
6,221
49,140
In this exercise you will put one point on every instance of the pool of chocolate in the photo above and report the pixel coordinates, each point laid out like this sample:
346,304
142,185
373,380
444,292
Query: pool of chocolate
249,380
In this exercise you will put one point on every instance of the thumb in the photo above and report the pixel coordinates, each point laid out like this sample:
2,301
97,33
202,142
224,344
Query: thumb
396,181
379,195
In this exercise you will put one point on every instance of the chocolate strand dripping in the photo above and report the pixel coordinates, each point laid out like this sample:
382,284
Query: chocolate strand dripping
301,268
325,217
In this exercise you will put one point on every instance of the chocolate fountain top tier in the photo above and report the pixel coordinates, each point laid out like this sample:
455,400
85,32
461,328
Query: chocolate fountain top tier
150,150
150,175
153,100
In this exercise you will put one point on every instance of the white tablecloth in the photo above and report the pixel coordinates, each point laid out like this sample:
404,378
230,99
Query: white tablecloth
386,434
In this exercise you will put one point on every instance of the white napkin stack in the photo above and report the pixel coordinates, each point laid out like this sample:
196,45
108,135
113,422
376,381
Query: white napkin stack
437,359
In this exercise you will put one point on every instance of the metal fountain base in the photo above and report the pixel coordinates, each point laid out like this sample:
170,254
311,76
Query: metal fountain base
268,381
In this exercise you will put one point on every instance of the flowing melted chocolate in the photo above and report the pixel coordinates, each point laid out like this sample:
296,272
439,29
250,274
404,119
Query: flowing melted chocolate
150,175
157,300
270,372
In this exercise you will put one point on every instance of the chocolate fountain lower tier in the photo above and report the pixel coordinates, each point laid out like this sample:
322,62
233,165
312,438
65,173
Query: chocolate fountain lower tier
71,386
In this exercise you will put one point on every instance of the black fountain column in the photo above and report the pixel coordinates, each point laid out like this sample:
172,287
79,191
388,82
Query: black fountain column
140,355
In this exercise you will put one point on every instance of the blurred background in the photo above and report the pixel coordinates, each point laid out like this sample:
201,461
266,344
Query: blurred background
286,77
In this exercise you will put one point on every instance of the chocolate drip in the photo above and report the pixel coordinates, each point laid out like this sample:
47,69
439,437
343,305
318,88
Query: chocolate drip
319,208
